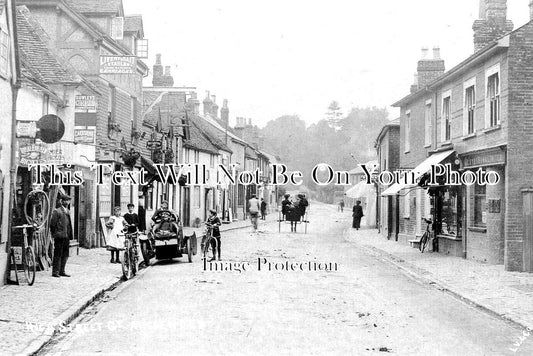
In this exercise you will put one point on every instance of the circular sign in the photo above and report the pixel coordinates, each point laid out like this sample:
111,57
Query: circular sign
51,128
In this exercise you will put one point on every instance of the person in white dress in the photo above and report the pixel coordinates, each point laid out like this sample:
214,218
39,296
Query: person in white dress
115,236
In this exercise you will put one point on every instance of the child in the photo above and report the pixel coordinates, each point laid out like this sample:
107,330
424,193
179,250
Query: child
132,220
115,241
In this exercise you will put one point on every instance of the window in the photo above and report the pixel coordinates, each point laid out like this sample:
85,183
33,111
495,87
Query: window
117,28
212,160
407,131
427,206
446,118
451,212
428,124
141,49
4,53
407,205
46,102
470,107
186,155
493,97
480,215
196,157
197,197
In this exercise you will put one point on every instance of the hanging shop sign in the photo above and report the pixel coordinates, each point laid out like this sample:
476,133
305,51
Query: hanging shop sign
40,153
26,129
85,104
117,64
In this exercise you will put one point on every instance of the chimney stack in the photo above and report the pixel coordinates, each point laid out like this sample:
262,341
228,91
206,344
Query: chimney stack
214,107
492,22
207,104
224,111
194,103
160,78
429,69
414,86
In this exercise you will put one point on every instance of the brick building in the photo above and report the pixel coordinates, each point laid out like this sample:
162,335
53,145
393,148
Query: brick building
388,150
476,115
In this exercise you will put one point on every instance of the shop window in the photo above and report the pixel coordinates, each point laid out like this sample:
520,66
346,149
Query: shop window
480,198
451,212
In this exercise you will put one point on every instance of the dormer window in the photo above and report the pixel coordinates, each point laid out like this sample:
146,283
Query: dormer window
117,28
141,49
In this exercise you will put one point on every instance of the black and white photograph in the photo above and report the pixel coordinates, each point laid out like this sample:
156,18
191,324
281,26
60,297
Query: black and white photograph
240,177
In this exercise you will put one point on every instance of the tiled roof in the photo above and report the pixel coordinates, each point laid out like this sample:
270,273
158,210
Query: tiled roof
38,63
96,6
250,153
152,117
198,141
134,23
215,136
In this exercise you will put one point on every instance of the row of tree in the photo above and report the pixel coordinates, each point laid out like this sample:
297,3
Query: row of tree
342,141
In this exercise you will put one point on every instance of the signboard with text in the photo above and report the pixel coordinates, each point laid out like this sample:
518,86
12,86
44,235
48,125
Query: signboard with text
117,64
26,129
85,103
84,135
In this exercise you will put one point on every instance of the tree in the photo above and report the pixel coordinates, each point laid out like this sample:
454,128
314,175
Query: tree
334,115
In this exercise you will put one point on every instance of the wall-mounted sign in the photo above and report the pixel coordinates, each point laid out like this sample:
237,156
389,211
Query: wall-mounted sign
41,153
117,64
491,157
84,135
85,103
26,129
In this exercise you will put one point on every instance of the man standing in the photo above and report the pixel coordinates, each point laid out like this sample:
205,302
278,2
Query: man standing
61,229
357,215
253,209
263,209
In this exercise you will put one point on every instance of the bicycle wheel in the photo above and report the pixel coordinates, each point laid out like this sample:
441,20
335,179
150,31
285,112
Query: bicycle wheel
189,250
424,243
37,208
29,265
134,259
209,253
126,265
423,240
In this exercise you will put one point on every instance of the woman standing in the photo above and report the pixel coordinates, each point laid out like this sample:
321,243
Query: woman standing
357,215
115,238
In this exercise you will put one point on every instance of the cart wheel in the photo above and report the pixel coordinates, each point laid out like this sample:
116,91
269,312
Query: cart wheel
145,253
29,265
189,250
126,265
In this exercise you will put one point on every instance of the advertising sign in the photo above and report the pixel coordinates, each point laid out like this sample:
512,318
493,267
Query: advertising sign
26,129
117,64
85,104
84,135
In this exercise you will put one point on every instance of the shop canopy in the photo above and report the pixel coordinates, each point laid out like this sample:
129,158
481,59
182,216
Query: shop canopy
361,189
418,171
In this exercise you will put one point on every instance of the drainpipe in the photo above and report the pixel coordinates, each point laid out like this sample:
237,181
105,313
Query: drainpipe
15,86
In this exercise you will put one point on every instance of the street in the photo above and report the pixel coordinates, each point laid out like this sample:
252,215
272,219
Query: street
330,298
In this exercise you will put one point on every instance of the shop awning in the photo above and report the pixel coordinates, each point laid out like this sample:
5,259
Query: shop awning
418,171
359,190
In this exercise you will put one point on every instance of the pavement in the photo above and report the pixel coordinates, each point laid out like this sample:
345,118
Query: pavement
31,315
507,295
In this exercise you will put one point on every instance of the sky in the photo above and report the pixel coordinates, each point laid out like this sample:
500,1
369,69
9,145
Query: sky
293,57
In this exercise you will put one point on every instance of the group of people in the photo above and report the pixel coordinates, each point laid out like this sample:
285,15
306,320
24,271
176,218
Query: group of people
119,226
293,209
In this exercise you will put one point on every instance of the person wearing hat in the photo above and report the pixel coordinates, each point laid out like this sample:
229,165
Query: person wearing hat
215,222
285,205
61,230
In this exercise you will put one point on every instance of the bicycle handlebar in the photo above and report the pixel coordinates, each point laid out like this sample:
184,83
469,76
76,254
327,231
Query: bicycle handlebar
25,226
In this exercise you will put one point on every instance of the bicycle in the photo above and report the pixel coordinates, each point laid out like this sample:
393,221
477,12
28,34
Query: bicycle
426,237
27,256
209,244
131,256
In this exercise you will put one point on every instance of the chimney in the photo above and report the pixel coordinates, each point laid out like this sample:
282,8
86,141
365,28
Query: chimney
207,104
194,103
214,107
429,69
492,23
224,111
167,79
414,86
158,71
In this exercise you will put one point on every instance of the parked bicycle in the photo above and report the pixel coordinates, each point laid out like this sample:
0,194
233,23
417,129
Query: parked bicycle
209,243
131,255
27,256
427,238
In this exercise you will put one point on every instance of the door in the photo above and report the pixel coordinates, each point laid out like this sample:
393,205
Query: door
186,206
527,198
